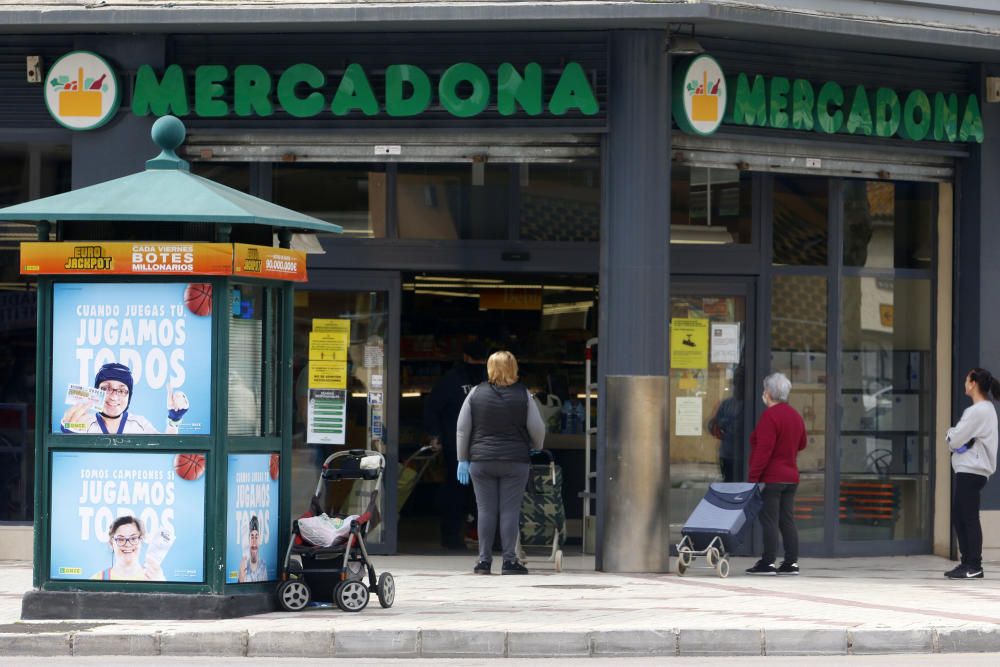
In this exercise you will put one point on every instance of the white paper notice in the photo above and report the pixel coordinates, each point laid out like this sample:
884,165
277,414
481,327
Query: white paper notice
373,356
725,343
688,416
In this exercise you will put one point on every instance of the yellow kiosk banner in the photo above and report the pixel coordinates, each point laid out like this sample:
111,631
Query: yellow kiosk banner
265,262
126,258
688,343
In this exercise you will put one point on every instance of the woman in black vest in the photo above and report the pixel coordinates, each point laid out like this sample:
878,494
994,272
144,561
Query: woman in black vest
497,426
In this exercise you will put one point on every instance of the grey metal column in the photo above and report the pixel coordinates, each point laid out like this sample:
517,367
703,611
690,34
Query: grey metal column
110,151
977,268
635,289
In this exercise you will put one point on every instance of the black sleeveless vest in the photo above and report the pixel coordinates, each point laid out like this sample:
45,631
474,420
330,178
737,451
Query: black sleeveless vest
499,423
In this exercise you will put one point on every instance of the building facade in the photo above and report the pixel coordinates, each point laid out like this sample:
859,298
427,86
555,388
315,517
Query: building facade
708,191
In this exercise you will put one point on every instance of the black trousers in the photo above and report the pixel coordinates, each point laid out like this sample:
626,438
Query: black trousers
779,499
965,517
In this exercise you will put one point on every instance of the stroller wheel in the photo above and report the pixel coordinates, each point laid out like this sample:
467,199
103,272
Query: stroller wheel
293,595
722,567
559,560
351,595
386,590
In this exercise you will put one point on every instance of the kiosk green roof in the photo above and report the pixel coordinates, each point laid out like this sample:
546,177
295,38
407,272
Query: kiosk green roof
165,192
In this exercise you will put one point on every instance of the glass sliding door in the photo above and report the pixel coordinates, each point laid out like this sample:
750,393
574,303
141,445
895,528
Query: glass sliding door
852,275
711,332
344,398
885,373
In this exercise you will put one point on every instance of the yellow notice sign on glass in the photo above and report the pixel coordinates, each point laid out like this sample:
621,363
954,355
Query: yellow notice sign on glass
328,346
688,343
327,374
332,326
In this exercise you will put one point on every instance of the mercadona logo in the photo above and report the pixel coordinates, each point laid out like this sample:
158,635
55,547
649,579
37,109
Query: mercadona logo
699,95
81,91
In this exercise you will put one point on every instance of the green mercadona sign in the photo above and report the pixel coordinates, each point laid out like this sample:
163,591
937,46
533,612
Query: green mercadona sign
701,92
463,90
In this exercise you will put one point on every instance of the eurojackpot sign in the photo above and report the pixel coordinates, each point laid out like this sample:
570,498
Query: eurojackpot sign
463,90
704,98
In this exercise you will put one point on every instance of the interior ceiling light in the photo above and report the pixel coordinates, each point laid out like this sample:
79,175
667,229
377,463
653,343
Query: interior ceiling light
700,235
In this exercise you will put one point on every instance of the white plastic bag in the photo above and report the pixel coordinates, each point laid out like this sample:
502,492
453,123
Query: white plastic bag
323,530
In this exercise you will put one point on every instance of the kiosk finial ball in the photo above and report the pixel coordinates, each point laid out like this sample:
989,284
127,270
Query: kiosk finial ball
168,132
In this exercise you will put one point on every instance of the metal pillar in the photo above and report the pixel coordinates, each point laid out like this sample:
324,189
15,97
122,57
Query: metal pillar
635,268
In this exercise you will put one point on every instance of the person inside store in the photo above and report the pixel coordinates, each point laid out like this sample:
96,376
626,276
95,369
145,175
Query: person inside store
973,445
498,425
115,380
774,447
125,539
726,425
440,417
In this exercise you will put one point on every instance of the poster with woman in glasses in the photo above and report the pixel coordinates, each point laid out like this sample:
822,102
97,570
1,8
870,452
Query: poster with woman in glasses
131,358
128,516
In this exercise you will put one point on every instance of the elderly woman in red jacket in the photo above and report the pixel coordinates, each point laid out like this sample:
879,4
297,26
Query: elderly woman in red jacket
774,446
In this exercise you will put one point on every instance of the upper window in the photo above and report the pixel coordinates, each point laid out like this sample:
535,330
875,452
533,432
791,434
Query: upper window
560,202
710,206
801,234
888,225
467,202
351,196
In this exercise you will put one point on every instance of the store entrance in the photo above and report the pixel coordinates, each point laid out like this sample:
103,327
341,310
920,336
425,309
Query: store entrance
545,321
711,374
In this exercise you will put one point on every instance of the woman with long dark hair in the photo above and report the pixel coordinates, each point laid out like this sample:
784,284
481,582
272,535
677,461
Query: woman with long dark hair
973,445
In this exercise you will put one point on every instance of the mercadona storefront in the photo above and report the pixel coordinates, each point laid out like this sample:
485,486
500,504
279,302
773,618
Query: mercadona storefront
825,217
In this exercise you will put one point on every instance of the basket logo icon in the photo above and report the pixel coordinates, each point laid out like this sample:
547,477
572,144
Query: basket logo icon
81,91
699,95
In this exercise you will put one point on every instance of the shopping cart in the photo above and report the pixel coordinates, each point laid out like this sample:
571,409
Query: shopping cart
718,525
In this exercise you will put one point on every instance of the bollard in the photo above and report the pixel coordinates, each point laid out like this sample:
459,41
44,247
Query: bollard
633,506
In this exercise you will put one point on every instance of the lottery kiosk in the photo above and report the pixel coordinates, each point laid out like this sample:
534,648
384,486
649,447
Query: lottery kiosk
163,432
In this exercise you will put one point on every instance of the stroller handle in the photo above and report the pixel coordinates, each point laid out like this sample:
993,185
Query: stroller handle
356,453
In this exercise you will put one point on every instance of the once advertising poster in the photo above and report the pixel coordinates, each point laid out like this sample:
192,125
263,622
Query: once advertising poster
132,358
128,516
252,518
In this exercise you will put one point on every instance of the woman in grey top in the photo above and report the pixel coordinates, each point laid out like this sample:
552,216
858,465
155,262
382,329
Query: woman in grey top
973,445
497,427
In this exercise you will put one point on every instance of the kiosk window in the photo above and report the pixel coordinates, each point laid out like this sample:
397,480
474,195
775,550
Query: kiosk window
251,354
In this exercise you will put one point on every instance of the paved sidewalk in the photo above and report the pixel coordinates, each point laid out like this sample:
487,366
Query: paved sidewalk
838,606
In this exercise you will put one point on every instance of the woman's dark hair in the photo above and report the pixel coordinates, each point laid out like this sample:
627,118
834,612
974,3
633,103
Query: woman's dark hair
124,521
986,382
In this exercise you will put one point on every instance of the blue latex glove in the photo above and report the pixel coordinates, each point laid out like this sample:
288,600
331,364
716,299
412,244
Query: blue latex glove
463,472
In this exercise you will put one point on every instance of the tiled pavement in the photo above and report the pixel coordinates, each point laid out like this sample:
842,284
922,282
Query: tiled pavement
838,606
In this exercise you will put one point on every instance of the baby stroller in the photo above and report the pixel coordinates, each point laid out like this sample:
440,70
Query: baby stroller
718,525
543,518
337,573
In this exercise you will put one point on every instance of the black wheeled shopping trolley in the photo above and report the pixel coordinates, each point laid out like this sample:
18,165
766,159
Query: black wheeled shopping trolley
341,572
718,525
